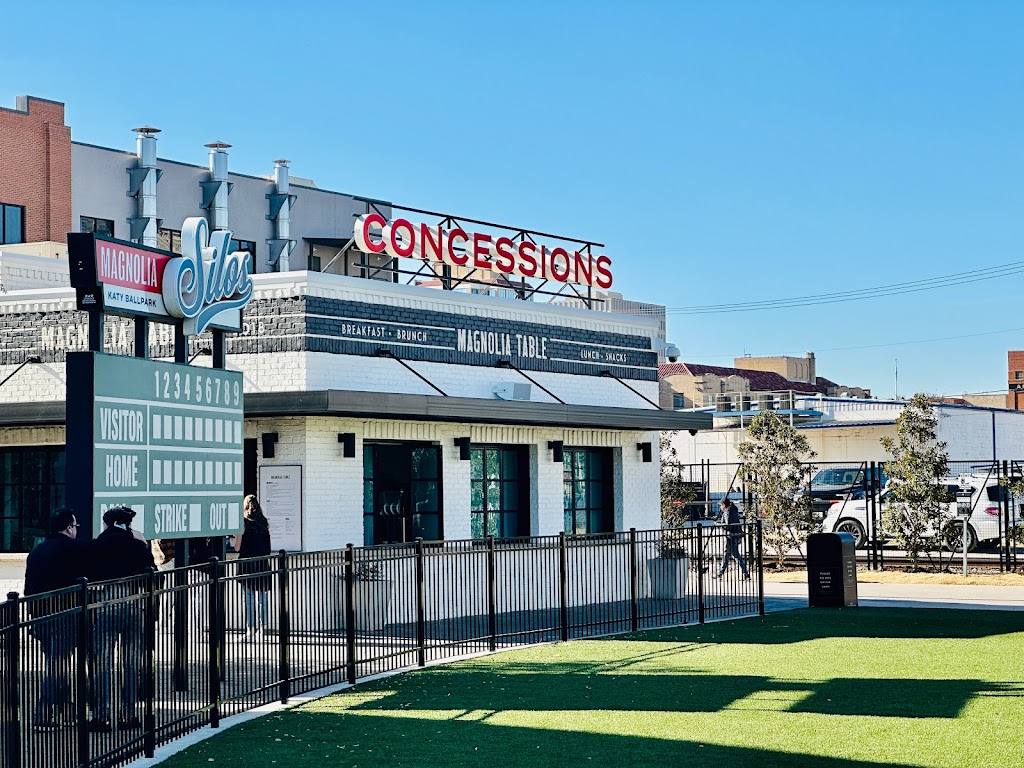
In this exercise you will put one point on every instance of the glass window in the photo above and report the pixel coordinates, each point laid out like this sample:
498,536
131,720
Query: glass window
244,245
678,401
98,226
587,490
499,496
1018,375
12,224
31,486
401,493
169,240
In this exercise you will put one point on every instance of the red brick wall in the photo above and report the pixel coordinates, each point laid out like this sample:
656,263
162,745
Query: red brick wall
1014,362
35,167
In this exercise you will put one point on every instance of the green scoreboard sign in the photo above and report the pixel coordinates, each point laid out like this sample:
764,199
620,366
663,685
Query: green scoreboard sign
165,439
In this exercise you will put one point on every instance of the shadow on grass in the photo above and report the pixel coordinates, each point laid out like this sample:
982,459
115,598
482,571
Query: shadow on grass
817,623
368,741
554,689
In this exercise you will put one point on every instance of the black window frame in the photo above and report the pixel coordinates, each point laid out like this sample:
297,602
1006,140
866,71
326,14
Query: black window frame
6,239
89,224
173,235
413,516
510,515
572,509
25,501
244,245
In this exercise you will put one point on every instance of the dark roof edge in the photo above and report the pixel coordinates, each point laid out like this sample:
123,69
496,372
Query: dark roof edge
383,405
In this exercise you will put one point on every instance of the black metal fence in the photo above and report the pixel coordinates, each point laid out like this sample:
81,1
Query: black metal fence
854,490
99,674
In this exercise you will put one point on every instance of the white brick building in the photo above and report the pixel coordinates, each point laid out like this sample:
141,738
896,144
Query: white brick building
468,414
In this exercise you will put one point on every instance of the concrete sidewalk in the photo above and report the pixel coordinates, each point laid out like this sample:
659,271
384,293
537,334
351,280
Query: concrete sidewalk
781,596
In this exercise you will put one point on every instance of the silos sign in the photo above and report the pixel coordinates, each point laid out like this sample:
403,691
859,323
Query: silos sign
205,286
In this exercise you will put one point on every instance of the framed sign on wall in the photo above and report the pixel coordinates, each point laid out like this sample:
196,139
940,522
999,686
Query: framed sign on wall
281,499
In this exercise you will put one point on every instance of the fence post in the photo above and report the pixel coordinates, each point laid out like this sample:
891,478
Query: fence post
149,667
82,671
701,567
1004,516
350,613
563,586
181,617
634,622
760,566
213,627
12,696
869,491
283,630
421,607
492,596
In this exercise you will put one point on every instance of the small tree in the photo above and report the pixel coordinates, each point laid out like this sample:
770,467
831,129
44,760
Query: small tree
916,503
775,459
676,493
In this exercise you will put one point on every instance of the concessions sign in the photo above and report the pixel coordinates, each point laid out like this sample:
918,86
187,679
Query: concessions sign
522,257
204,286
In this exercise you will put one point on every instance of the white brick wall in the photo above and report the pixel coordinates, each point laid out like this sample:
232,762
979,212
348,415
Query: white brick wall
333,485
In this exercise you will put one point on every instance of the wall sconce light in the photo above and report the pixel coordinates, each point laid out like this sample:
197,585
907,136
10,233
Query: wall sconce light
269,439
556,447
463,446
348,444
645,450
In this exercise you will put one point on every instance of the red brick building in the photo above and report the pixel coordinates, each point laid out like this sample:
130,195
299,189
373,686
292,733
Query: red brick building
1015,380
35,187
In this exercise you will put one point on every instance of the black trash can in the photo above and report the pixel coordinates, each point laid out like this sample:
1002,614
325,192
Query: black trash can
831,570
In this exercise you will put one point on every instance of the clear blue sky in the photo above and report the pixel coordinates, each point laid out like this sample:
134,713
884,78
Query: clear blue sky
724,151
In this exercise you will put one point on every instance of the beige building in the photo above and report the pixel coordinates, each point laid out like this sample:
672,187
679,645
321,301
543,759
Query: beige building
693,385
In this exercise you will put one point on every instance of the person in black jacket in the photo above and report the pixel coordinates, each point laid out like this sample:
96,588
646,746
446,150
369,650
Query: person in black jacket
55,563
116,556
730,518
253,550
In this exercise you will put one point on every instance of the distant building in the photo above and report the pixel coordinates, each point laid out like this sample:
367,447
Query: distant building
738,389
1015,380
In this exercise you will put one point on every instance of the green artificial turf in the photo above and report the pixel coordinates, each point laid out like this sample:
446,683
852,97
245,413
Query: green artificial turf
855,687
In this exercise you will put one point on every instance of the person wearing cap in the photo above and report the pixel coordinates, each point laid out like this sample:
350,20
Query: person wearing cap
118,557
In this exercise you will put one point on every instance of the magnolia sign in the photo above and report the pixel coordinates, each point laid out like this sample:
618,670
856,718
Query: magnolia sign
401,238
207,285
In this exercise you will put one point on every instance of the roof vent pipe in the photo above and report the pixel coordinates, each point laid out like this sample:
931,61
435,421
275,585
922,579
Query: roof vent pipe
217,189
142,181
281,202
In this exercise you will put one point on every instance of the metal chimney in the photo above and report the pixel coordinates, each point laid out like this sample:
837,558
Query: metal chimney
142,181
281,202
217,189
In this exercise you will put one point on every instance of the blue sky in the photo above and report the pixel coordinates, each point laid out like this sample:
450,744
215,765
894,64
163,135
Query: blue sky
724,151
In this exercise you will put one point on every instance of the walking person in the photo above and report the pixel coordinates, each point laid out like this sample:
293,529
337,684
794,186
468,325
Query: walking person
117,554
55,563
729,516
253,549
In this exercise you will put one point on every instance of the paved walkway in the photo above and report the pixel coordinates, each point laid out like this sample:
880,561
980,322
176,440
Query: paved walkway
781,596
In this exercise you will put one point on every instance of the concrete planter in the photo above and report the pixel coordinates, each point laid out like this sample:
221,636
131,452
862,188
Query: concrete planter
668,577
373,603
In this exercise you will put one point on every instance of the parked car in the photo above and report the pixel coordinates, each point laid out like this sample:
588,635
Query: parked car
836,483
851,515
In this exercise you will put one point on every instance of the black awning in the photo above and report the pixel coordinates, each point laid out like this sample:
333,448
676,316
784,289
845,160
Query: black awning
384,405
